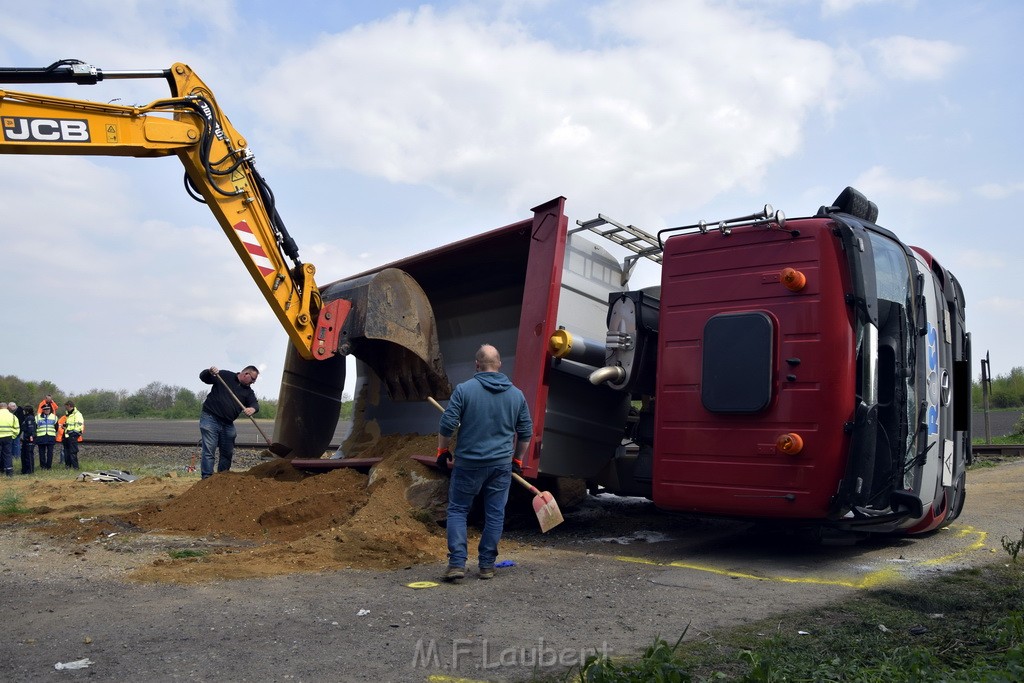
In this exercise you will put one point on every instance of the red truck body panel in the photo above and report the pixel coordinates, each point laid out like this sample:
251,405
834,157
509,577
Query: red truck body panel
721,463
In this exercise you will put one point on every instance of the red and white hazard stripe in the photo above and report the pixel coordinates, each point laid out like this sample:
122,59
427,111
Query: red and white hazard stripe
255,249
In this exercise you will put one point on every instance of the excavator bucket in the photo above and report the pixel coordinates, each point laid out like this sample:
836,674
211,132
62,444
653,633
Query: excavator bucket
391,328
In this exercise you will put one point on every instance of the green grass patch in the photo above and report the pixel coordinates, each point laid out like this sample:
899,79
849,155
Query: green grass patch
981,464
1010,440
963,626
11,503
1013,546
185,553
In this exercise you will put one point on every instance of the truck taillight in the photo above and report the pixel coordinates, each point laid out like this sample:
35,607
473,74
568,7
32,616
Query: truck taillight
792,279
790,444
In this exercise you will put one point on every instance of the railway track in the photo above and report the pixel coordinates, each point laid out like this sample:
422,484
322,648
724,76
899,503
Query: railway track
184,433
181,433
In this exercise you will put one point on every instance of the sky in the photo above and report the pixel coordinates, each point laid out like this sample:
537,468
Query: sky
389,128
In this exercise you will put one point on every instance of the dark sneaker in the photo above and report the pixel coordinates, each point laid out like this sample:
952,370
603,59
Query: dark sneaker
486,572
455,574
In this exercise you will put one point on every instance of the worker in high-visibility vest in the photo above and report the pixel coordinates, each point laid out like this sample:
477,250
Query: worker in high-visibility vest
73,428
10,430
46,435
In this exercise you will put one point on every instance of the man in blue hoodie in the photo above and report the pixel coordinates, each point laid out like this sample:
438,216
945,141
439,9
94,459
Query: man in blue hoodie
494,434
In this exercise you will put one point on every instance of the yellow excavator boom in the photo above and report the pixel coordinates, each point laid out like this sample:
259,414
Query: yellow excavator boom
219,167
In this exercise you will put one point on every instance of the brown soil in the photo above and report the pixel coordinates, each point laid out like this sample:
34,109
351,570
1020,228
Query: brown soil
272,519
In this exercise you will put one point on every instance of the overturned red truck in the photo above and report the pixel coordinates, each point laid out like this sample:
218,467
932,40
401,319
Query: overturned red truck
815,370
811,371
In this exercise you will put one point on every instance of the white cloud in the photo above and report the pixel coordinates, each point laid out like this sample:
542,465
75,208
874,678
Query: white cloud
999,190
878,181
979,260
478,108
914,59
834,7
1002,305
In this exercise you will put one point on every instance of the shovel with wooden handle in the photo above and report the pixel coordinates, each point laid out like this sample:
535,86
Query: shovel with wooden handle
544,504
280,450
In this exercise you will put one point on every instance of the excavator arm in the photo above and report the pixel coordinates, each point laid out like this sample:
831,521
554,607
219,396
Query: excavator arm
220,172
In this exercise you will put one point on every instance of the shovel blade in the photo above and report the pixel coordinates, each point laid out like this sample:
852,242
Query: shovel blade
280,450
546,509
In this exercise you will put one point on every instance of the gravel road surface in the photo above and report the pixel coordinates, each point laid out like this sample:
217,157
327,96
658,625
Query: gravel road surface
615,576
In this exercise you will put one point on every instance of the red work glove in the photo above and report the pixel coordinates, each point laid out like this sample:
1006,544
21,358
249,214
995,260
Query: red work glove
517,466
444,456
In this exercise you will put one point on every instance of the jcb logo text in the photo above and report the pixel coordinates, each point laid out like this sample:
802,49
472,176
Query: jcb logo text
18,129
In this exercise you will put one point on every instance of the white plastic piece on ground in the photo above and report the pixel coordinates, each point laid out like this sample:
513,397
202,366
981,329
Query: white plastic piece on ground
77,664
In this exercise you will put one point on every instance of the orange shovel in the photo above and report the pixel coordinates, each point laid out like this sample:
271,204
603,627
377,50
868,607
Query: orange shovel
544,505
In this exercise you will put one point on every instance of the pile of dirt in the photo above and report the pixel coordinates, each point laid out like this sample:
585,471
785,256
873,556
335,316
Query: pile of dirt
272,501
291,521
270,520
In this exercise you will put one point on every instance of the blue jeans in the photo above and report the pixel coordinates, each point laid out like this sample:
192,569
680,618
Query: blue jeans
217,434
493,481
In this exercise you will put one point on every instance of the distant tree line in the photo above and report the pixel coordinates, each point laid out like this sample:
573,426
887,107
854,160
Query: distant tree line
1006,391
155,400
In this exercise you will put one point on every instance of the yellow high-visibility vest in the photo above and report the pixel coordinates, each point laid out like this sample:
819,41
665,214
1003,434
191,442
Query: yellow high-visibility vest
9,426
75,423
46,425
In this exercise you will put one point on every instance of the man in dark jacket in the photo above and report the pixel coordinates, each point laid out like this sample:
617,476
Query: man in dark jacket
220,409
494,433
27,419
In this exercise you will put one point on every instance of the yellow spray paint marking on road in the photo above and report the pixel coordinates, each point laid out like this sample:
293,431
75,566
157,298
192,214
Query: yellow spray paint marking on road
961,532
870,580
441,678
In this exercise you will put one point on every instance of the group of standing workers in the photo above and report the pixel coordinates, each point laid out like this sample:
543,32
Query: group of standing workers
22,431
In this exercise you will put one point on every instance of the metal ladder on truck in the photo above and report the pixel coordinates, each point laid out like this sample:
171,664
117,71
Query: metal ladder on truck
639,241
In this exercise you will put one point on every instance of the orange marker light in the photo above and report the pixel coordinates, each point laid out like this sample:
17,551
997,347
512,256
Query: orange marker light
790,444
793,279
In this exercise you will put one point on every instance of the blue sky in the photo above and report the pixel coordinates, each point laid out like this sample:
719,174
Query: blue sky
389,128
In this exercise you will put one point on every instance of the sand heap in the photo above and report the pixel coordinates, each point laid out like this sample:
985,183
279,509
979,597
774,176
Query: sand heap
286,521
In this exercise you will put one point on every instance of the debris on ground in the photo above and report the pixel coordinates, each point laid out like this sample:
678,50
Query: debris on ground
77,664
106,475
